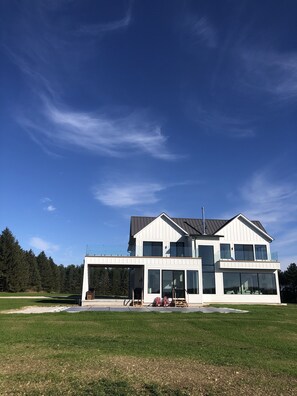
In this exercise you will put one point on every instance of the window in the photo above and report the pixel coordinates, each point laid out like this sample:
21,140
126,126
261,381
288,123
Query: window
192,282
207,256
153,281
177,249
249,283
153,249
267,284
261,252
173,279
209,285
232,283
244,252
225,251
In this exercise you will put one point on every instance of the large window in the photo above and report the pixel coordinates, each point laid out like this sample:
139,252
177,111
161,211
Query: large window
267,284
207,257
192,282
153,281
232,283
153,249
173,279
209,284
261,252
249,283
244,252
225,251
177,249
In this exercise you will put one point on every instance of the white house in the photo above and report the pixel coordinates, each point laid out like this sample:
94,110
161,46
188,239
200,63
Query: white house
202,261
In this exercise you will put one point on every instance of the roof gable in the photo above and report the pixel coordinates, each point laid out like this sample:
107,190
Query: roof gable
139,223
255,225
194,227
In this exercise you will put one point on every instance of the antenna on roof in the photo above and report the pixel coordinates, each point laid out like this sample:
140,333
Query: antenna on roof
203,221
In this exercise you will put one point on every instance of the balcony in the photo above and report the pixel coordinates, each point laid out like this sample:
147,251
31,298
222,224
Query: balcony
136,251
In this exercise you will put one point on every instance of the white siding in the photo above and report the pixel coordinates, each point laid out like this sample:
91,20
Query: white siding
160,230
239,231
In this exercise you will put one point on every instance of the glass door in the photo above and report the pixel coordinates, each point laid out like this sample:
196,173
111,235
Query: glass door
173,279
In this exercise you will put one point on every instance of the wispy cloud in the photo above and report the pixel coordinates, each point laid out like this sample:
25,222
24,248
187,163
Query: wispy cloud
40,244
100,133
50,208
128,194
271,72
204,31
218,123
46,200
274,202
99,28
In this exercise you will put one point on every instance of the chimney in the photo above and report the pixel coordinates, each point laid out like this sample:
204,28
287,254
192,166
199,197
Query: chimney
203,221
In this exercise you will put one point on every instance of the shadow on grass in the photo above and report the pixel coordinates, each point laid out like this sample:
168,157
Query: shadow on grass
68,300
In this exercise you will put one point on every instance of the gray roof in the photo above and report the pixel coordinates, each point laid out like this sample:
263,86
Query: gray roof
191,226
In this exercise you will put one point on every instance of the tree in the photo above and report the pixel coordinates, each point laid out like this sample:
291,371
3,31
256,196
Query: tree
34,282
288,283
14,271
46,273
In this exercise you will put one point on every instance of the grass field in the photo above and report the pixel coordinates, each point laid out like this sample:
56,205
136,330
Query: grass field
127,353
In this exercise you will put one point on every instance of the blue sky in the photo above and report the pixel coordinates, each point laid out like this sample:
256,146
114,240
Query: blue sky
112,109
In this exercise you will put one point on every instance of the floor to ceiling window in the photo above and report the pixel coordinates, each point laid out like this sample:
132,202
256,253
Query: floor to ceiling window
173,279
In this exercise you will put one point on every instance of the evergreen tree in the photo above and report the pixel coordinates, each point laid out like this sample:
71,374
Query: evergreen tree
34,282
288,284
14,271
46,273
56,281
62,270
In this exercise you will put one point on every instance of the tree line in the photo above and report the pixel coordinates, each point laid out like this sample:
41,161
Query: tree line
22,270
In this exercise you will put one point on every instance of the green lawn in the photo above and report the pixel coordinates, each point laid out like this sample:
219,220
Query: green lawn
127,353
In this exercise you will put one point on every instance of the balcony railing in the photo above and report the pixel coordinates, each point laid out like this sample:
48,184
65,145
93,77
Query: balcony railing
138,251
167,251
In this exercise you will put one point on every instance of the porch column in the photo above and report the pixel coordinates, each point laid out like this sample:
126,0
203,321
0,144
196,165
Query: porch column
85,286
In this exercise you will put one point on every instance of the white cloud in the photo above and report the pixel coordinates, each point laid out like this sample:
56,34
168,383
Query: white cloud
99,133
50,208
42,245
272,72
215,122
128,194
273,202
95,29
204,31
46,200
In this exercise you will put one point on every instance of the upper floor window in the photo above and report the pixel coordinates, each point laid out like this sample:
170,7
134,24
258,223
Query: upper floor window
225,251
244,252
153,249
207,256
261,252
177,249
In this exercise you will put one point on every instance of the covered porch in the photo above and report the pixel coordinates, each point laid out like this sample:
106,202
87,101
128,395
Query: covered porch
149,278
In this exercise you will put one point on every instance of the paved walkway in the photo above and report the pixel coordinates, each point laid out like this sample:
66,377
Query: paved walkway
155,309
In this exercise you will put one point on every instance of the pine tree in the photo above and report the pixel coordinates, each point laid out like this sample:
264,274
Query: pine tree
34,282
46,273
14,271
56,281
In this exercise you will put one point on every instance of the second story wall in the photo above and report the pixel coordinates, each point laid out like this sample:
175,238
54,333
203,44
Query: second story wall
161,230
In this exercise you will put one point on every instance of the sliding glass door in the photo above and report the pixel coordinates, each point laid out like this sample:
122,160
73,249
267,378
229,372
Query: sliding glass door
173,279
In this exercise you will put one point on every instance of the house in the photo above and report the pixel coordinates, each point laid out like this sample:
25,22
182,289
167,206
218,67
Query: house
198,260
